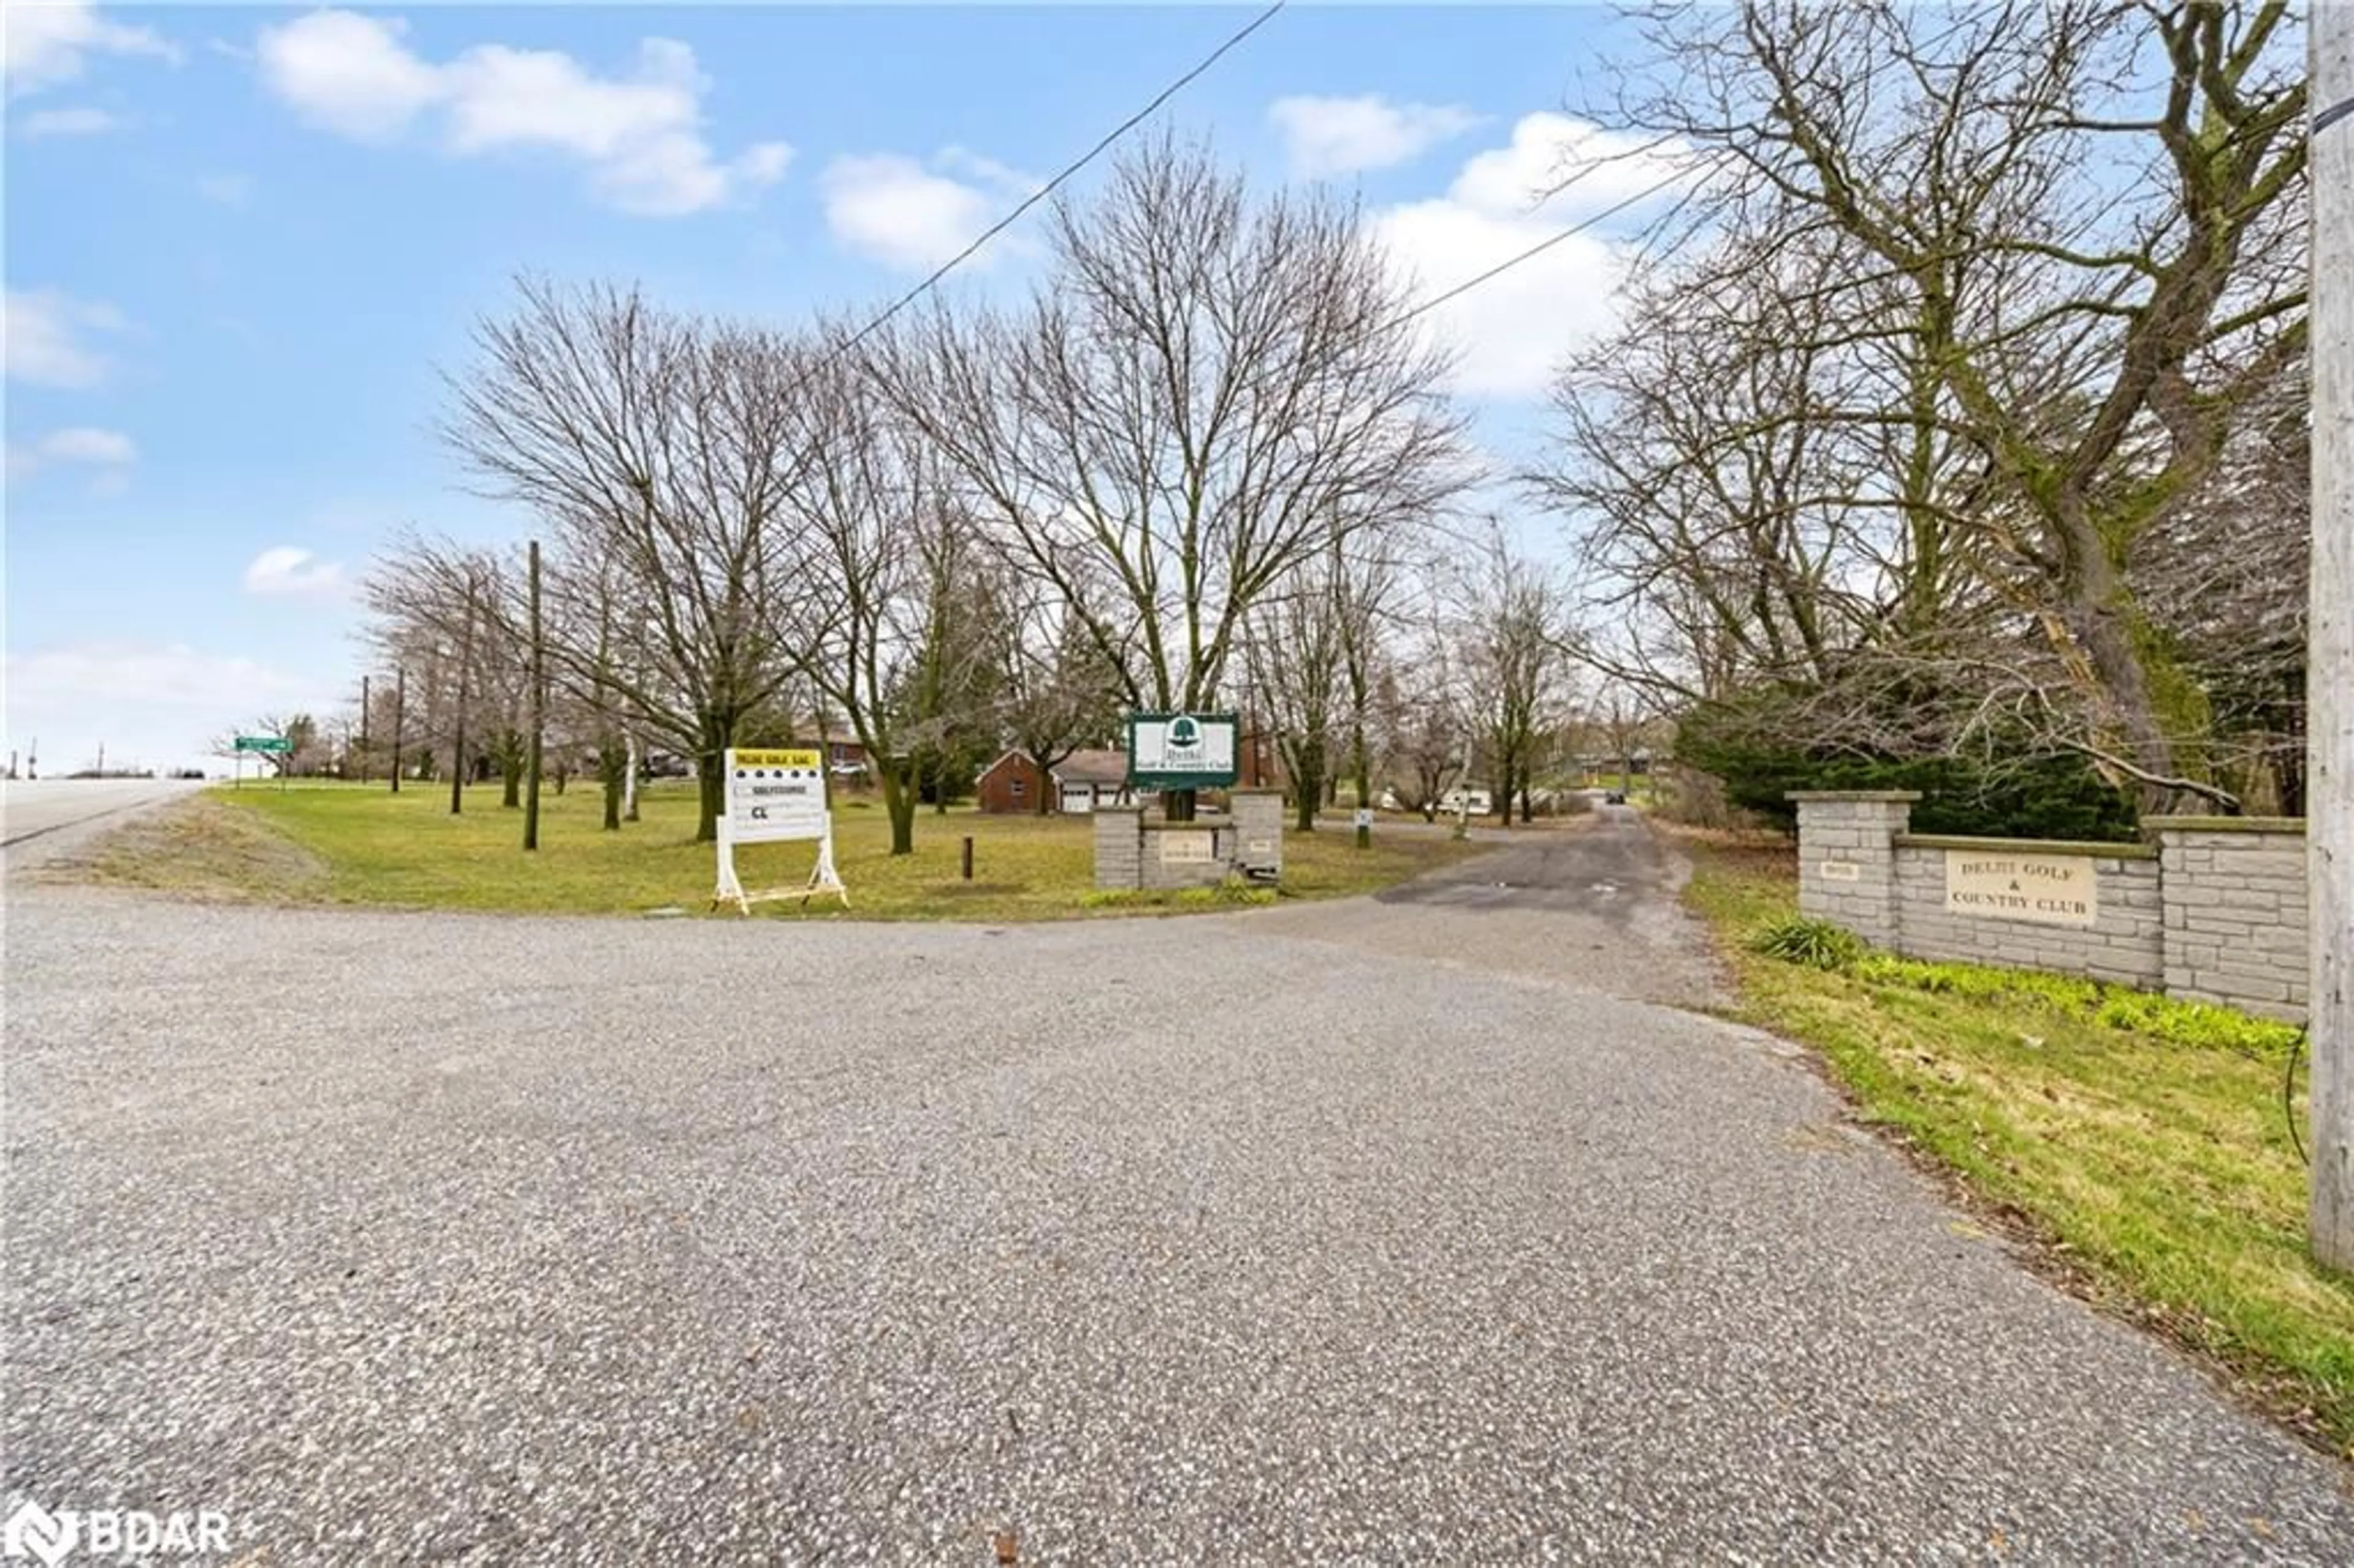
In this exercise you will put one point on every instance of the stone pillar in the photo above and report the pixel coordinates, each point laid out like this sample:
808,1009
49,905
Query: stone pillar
1258,834
1847,857
1119,847
2237,911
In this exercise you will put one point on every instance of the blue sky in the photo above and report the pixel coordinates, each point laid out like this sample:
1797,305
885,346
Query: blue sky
240,241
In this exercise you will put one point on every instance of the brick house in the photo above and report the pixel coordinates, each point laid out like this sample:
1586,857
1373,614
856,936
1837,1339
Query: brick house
1079,783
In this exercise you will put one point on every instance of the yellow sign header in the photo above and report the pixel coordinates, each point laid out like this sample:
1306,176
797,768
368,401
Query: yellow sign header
773,758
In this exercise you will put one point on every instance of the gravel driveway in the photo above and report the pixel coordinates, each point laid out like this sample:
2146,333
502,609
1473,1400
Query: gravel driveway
411,1238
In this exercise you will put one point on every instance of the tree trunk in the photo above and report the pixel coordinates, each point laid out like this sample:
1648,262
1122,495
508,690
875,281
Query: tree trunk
712,796
899,800
711,773
612,765
511,771
458,740
2108,642
629,780
1307,790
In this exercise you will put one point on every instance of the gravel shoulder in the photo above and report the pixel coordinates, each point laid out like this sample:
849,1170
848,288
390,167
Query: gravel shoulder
411,1238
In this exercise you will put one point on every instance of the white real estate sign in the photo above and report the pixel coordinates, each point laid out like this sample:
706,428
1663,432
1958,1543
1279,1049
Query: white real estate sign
775,794
2046,889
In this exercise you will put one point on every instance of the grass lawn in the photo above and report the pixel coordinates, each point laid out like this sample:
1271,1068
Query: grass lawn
2142,1144
357,844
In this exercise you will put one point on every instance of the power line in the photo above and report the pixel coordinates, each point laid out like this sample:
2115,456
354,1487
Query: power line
1043,192
1541,246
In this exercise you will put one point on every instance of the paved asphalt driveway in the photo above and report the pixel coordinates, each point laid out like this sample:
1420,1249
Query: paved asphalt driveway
1372,1233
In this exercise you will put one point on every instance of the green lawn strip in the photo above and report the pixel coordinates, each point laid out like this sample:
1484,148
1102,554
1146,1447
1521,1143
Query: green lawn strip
2141,1141
366,846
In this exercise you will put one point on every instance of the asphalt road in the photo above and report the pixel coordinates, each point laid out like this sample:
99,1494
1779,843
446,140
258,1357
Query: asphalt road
51,810
406,1238
1589,903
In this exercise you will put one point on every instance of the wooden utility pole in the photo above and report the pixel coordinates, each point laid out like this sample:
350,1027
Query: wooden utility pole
399,712
539,711
2329,664
458,742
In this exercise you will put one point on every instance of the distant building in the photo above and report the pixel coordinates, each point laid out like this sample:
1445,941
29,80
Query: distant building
1011,786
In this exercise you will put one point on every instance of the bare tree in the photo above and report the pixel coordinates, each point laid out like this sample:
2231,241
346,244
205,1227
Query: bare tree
661,447
873,614
1292,654
1059,693
1204,390
1516,636
2068,237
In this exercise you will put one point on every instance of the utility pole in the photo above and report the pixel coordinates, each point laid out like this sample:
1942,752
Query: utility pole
364,728
2329,662
458,742
400,713
538,711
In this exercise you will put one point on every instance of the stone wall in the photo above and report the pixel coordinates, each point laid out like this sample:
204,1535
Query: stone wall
2214,908
1134,851
1258,834
1846,858
2237,912
1119,846
2124,946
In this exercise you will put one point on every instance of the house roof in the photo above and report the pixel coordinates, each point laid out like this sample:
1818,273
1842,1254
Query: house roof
1085,767
1092,767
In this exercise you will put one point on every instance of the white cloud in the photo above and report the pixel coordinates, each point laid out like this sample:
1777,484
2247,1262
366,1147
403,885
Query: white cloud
72,122
107,450
226,190
286,572
892,208
1513,332
1327,136
1559,167
640,134
47,334
172,674
84,444
151,703
46,44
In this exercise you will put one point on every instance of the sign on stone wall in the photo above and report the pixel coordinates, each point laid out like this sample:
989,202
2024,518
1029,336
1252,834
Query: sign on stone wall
2046,889
1181,848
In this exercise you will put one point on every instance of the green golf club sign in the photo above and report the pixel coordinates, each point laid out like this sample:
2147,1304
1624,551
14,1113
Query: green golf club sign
1182,751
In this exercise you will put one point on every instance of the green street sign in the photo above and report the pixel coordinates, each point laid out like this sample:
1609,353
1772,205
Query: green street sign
264,743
